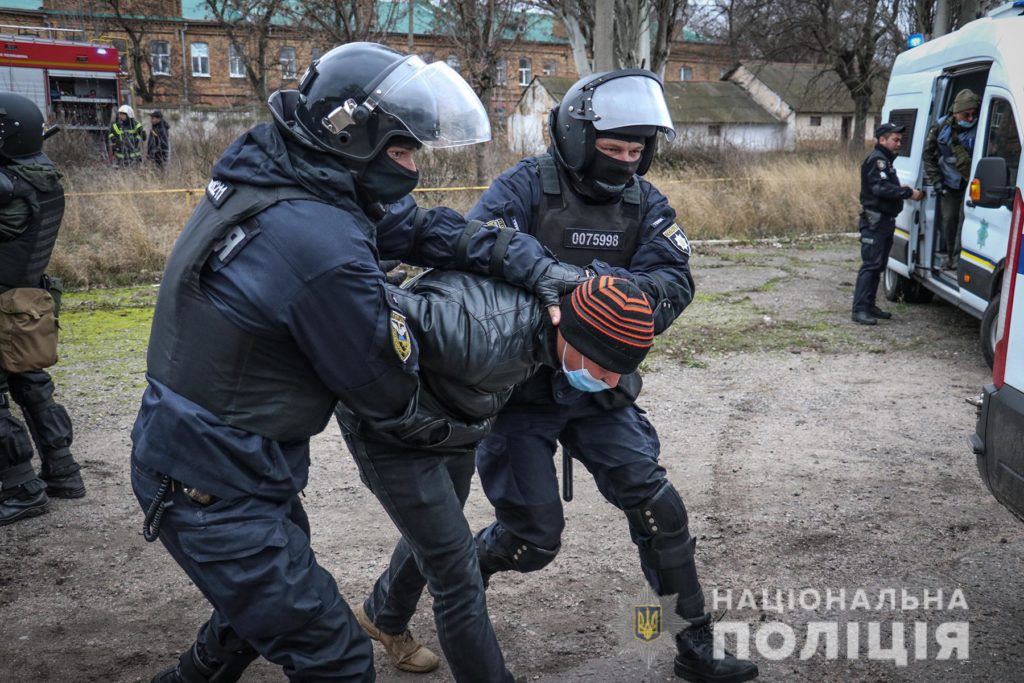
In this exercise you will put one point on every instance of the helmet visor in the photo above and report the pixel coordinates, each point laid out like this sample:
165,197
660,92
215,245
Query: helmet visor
631,101
434,103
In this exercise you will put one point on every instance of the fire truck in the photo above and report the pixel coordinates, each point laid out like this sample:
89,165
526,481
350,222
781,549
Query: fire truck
75,84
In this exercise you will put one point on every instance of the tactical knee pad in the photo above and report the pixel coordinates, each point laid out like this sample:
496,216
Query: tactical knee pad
15,446
500,551
661,532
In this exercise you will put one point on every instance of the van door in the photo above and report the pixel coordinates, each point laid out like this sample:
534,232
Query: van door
907,104
928,230
985,231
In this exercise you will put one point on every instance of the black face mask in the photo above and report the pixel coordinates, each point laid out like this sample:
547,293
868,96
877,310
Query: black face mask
386,180
608,177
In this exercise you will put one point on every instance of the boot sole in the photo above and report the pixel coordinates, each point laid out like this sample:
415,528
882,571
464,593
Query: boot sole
65,493
688,674
26,513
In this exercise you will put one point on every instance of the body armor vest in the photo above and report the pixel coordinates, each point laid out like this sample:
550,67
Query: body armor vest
578,232
263,385
23,260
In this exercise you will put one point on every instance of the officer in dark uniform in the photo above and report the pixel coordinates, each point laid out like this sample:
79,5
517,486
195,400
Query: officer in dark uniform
477,338
272,309
585,201
881,198
31,209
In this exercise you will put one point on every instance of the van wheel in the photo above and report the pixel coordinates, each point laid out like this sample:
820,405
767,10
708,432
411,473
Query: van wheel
893,285
988,330
916,293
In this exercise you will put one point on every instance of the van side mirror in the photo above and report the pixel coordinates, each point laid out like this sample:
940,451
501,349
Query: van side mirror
991,185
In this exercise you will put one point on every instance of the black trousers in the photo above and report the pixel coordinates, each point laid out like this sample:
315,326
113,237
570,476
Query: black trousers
48,422
875,244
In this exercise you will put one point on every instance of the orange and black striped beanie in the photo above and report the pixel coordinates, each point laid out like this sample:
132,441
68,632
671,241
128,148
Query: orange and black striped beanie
609,320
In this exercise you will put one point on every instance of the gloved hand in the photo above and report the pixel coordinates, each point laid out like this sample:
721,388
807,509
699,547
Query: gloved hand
393,278
556,279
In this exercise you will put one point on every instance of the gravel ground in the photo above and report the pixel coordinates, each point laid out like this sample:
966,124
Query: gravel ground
812,454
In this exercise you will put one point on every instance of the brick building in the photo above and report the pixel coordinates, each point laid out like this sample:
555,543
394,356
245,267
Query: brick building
190,61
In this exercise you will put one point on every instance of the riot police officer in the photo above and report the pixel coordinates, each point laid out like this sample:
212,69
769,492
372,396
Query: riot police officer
586,201
881,198
272,309
31,209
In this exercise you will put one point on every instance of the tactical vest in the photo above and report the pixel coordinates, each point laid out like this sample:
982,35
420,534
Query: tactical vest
24,259
578,232
263,385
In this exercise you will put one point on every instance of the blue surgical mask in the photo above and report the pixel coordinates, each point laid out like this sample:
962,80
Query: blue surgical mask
582,379
965,124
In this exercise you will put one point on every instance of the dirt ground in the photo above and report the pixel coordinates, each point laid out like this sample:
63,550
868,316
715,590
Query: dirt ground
811,453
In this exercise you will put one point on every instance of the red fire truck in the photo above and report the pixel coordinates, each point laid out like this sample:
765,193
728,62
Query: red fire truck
75,84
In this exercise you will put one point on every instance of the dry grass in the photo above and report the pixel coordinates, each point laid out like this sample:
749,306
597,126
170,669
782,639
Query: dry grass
124,238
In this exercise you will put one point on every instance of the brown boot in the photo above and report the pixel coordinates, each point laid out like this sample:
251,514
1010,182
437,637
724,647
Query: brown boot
404,651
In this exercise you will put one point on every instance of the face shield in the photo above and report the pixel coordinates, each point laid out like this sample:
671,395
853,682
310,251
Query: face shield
434,103
630,101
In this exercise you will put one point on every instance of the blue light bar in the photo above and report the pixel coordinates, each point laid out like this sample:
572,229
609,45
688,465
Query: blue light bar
915,39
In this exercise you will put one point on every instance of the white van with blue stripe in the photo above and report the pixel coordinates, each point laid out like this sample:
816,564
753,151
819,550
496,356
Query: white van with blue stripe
986,56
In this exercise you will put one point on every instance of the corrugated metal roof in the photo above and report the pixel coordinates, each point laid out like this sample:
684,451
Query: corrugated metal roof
21,4
809,88
690,101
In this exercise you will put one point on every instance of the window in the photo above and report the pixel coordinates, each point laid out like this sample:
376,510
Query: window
722,73
160,57
906,118
525,71
122,53
236,62
550,68
686,73
502,75
815,121
454,63
715,131
200,59
289,64
315,54
427,57
1001,138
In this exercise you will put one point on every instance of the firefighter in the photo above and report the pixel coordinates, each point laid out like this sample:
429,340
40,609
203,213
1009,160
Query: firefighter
31,209
126,137
272,309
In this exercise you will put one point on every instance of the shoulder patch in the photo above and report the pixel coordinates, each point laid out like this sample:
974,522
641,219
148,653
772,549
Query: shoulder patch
881,163
400,336
218,191
677,237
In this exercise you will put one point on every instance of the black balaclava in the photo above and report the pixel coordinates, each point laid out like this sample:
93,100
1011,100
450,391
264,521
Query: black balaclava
384,179
606,178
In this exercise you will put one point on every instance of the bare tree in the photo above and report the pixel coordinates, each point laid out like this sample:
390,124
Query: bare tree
336,22
481,31
248,24
128,17
671,16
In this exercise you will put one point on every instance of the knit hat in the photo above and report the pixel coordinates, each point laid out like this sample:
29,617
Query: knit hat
965,100
610,321
157,114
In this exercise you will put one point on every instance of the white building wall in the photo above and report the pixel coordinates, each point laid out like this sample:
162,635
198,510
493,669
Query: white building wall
761,137
769,100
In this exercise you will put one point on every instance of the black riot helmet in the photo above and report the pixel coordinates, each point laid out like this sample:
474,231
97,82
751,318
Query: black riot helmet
358,96
21,127
626,103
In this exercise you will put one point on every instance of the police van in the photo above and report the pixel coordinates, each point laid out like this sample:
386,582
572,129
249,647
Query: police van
986,56
998,440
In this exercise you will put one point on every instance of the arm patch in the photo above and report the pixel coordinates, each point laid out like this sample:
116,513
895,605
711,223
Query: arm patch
400,339
677,237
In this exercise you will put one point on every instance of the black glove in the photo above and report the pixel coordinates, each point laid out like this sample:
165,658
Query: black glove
395,278
556,279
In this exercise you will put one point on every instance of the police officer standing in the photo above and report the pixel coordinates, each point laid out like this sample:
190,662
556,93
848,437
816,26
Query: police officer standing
273,308
881,198
31,209
585,201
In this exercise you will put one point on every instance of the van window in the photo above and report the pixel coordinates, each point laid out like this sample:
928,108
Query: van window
906,118
1001,138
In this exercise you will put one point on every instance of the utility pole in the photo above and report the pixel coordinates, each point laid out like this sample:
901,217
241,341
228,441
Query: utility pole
604,36
941,24
409,40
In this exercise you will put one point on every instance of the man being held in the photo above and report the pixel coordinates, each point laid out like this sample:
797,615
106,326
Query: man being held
881,198
947,163
476,338
273,309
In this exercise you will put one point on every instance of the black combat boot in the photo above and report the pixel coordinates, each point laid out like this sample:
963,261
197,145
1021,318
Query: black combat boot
877,312
62,477
193,668
696,662
22,502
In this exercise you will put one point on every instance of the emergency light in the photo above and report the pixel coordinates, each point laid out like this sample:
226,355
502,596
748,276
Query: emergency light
915,39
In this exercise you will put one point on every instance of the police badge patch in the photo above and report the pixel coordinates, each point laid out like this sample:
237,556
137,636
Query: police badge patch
677,237
880,163
400,336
